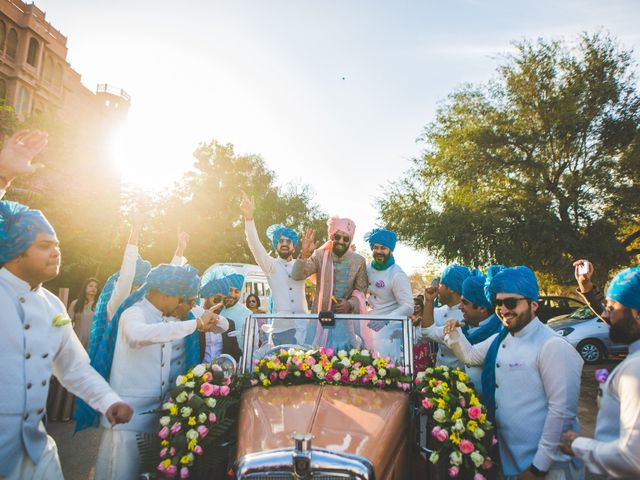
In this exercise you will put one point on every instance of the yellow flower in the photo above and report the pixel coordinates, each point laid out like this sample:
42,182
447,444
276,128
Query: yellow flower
472,425
173,410
473,401
362,370
166,463
257,369
462,376
455,438
483,418
456,415
382,362
164,443
192,421
266,382
270,365
441,403
190,375
185,460
192,445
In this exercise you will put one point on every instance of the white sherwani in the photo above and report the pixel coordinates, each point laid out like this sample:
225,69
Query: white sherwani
434,332
32,349
140,375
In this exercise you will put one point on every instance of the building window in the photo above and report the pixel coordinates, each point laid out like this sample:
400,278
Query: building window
47,71
12,43
57,76
22,100
32,53
3,34
3,90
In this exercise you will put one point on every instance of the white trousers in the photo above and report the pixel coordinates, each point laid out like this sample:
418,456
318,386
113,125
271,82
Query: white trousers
47,468
118,457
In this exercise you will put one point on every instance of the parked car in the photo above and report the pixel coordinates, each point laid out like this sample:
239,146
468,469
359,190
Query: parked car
327,431
552,306
588,334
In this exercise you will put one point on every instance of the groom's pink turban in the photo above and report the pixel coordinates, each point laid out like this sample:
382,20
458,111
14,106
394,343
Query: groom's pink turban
344,224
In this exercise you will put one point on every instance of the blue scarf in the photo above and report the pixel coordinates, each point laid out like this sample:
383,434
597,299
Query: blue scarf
192,347
377,266
483,332
489,374
100,315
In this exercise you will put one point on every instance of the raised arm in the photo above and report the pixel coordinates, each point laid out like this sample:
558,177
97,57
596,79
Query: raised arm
122,288
16,155
263,259
183,240
462,349
305,265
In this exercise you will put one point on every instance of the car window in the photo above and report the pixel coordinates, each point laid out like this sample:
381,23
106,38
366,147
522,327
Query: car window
574,304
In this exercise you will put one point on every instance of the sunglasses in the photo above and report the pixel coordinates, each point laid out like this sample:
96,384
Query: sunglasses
509,302
337,237
285,241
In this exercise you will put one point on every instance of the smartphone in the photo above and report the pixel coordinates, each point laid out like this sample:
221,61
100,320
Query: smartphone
583,268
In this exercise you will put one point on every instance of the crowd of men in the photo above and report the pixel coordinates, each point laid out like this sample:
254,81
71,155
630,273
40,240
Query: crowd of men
153,324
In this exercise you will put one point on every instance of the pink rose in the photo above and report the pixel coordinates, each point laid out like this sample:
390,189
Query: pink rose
475,413
273,376
227,380
224,390
172,452
176,428
442,435
494,440
198,450
426,403
216,368
206,389
435,431
184,472
308,373
479,476
254,382
160,467
310,361
203,431
164,433
487,464
163,452
282,374
213,418
206,377
453,471
466,447
171,470
463,402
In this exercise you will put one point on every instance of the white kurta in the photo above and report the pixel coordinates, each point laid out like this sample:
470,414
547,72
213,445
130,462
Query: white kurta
140,374
32,349
615,451
434,332
537,391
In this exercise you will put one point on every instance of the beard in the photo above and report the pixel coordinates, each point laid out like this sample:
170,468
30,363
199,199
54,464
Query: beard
284,253
230,302
340,249
519,321
382,258
625,330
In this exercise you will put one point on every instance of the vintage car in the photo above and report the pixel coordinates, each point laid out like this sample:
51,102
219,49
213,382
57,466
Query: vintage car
316,431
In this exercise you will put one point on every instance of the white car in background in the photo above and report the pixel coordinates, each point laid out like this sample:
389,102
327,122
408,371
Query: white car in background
588,334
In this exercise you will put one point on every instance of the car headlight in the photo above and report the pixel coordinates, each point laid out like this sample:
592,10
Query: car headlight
565,331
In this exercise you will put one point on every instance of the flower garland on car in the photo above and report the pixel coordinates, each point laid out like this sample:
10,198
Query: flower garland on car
464,436
194,417
353,368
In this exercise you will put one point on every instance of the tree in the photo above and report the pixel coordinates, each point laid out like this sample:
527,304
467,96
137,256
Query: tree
539,166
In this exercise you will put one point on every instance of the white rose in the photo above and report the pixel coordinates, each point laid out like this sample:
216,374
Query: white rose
262,376
336,377
186,411
182,397
455,458
211,402
439,415
459,426
382,372
180,380
365,353
190,384
352,352
168,405
192,434
462,387
317,368
478,433
477,458
296,373
434,457
164,421
202,418
346,362
342,354
198,370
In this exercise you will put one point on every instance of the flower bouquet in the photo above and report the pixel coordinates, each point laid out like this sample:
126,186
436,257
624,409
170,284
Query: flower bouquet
197,415
353,368
463,438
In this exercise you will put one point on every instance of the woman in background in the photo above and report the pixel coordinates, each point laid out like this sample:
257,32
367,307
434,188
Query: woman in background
81,310
253,303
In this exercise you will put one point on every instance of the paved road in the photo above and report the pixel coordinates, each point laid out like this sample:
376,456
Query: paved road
78,452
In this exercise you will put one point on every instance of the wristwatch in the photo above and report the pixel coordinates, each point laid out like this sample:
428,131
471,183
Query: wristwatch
536,471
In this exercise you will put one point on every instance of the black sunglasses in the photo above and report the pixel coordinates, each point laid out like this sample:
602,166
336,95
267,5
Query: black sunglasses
337,237
509,302
285,241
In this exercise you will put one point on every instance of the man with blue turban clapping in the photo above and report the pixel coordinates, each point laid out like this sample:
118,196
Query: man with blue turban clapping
37,341
615,450
135,356
530,380
449,294
287,294
389,291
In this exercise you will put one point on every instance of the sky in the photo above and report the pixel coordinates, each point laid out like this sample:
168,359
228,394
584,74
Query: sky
333,94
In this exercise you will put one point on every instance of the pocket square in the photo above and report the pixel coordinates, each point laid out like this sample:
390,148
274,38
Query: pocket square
60,320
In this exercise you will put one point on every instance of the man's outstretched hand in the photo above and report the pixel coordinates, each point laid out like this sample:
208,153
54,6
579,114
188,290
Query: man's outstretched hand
18,152
119,412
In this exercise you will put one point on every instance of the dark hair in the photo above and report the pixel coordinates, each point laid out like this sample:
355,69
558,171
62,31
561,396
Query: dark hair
419,300
246,302
82,298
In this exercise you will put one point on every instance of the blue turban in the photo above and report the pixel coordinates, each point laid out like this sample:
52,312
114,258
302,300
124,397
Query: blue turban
453,276
625,288
142,270
519,280
492,271
174,280
220,280
473,289
383,237
274,232
19,226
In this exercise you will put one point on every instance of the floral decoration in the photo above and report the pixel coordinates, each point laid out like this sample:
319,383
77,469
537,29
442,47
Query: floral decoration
354,368
463,438
195,416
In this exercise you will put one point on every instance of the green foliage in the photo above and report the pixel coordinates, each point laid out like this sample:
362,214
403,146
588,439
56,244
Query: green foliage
538,167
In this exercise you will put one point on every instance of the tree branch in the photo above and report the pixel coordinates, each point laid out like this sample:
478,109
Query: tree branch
631,238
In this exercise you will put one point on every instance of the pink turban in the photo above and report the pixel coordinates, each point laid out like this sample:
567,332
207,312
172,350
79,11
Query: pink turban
344,224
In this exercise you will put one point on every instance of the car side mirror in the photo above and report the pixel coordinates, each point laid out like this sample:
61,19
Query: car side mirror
327,318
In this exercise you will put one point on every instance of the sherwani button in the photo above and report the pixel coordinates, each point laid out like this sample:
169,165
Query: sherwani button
162,364
26,416
22,299
163,384
45,355
497,385
27,356
27,326
29,385
497,365
44,382
40,411
504,346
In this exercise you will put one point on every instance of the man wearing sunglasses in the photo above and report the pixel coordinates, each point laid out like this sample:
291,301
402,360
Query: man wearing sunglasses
615,450
287,294
530,380
341,278
449,295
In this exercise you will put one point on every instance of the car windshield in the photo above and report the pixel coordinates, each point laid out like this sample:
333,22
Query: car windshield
583,313
388,336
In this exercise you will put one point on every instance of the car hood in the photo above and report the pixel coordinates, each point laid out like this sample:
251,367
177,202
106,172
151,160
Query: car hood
566,322
371,423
